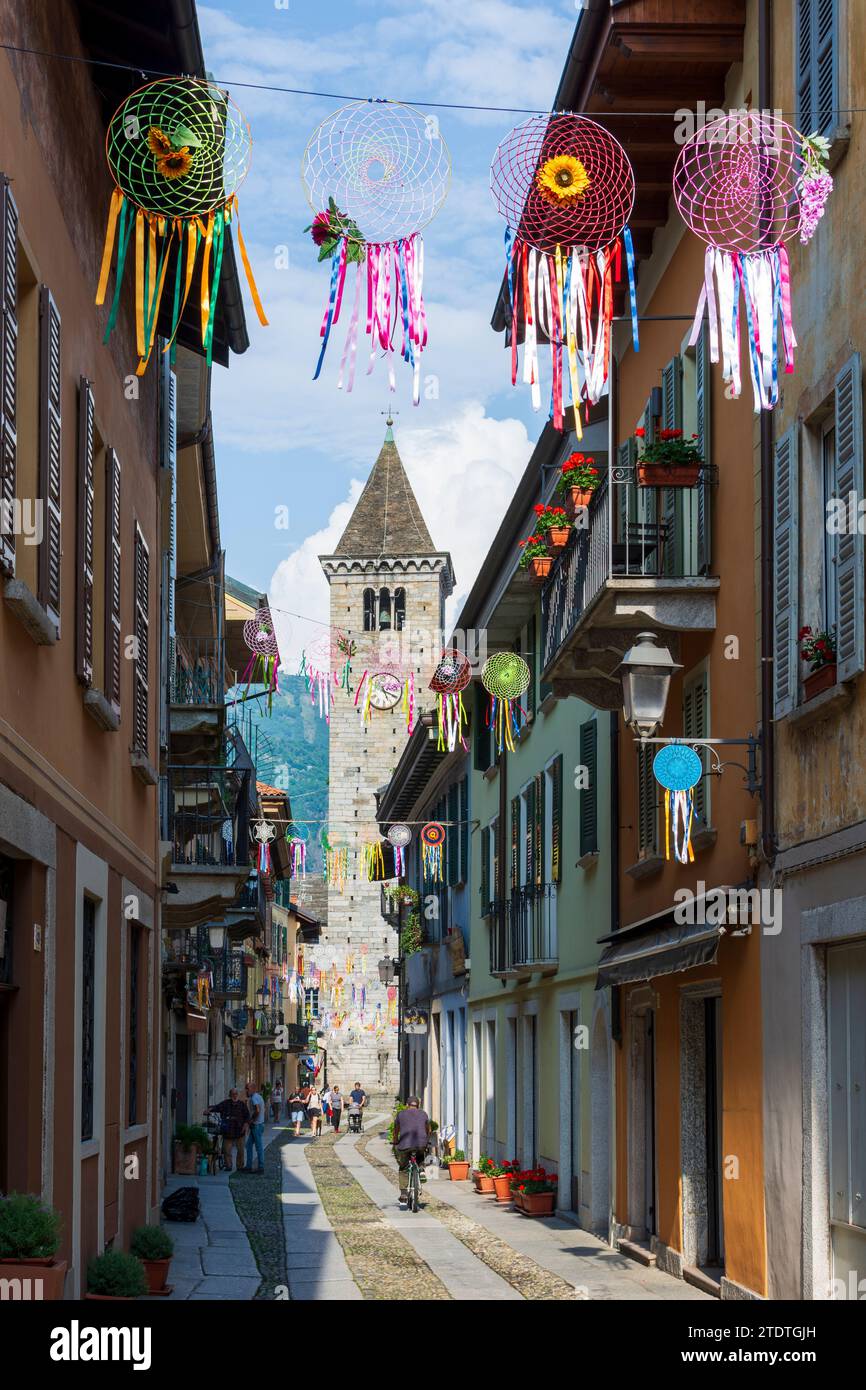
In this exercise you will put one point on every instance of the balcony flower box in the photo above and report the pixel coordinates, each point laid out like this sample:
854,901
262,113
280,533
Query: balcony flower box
557,538
668,475
818,681
551,526
537,1203
669,461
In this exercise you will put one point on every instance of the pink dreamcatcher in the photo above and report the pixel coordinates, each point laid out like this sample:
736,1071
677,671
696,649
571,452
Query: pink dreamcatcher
261,639
746,184
565,187
451,677
326,665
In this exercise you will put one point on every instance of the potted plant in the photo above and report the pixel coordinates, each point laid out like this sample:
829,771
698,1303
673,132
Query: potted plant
29,1240
457,1165
482,1176
502,1175
578,481
154,1247
670,461
536,1192
552,523
536,557
189,1142
819,649
115,1275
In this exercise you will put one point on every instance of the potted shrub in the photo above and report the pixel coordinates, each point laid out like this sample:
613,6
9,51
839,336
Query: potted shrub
670,461
536,1192
536,557
457,1165
579,479
189,1142
819,649
115,1275
502,1175
482,1176
154,1247
29,1240
553,524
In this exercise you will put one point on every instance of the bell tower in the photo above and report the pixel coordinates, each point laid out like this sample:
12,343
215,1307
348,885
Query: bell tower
388,587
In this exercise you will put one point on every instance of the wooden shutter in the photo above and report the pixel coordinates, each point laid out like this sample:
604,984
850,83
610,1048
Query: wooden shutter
647,801
112,580
626,491
140,661
496,833
452,867
696,725
589,793
84,537
671,499
849,556
515,842
817,65
538,830
50,455
485,869
703,399
529,835
8,372
529,657
481,733
556,820
786,569
463,875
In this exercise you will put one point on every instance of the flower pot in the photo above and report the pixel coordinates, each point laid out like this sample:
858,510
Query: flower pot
483,1182
458,1172
109,1298
557,538
538,1203
661,475
156,1273
577,497
540,566
46,1275
502,1188
822,679
186,1160
517,1198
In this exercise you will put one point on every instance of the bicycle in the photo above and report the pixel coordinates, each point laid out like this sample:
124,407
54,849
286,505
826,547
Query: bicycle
414,1189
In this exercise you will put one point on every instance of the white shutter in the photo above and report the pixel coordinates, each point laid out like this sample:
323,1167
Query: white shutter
849,486
786,570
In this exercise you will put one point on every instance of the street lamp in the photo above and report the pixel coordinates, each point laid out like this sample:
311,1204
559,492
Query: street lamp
386,971
217,936
646,671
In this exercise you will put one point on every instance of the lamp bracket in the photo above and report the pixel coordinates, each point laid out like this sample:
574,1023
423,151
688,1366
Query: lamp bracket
749,769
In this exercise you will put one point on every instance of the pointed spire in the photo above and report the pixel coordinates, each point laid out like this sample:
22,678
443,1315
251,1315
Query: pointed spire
387,519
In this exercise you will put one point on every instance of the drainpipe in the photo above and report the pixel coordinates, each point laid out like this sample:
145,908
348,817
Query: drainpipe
768,807
616,991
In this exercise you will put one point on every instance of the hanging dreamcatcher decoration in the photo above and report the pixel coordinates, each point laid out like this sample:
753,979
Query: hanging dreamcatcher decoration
400,836
178,150
506,676
375,174
451,677
678,769
746,184
432,841
326,667
297,854
335,864
373,863
263,834
260,638
566,190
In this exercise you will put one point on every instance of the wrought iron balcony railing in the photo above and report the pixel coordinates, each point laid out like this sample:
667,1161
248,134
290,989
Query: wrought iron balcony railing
197,672
523,931
230,974
206,815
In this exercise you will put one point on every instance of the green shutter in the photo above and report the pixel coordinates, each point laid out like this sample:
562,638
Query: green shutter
696,725
647,801
463,876
589,793
529,836
786,501
671,499
515,842
452,838
626,491
703,412
556,820
497,854
485,869
538,836
849,556
817,65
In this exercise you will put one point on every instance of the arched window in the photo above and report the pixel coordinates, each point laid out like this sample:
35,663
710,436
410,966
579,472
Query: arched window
384,609
369,610
399,609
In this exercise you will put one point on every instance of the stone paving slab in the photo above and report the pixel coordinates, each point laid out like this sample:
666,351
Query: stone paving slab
315,1263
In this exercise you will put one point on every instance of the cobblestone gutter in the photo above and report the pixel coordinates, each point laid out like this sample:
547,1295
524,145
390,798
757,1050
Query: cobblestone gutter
519,1271
257,1201
383,1264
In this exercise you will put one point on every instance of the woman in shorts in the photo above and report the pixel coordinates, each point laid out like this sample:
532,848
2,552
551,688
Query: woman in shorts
296,1111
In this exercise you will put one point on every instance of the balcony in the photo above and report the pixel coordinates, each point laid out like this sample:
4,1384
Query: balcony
230,976
196,692
247,914
641,561
523,939
205,834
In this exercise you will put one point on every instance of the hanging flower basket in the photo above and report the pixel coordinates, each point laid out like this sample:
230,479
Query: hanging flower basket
670,461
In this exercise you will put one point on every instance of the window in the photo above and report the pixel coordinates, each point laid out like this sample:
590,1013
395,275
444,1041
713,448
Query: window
399,609
311,1004
463,876
136,943
485,755
97,616
140,720
369,610
696,724
384,609
88,1016
831,537
817,65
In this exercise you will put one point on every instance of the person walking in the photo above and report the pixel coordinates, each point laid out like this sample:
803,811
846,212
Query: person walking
326,1103
336,1108
235,1117
411,1136
296,1111
277,1102
314,1112
255,1137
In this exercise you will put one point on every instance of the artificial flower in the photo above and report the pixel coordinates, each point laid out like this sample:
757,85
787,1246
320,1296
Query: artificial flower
562,179
321,228
176,164
158,142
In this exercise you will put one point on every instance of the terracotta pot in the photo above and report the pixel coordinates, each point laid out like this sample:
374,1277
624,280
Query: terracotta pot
156,1273
50,1273
502,1187
458,1172
660,475
822,679
577,497
538,1203
186,1160
108,1298
540,566
483,1182
557,537
517,1198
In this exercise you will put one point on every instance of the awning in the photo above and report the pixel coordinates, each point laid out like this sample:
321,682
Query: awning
663,947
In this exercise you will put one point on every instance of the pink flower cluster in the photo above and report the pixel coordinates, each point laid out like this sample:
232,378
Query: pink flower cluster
814,192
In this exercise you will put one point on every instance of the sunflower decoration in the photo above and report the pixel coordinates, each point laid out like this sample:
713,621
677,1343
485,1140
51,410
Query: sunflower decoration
562,179
172,153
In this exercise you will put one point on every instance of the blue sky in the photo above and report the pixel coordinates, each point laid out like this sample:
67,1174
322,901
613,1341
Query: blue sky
284,441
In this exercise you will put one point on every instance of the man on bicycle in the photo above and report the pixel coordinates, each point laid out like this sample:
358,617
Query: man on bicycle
411,1137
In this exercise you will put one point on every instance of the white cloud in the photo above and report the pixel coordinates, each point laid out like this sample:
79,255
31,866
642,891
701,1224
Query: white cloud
463,473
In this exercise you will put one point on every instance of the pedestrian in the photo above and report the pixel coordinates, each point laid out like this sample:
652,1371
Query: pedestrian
277,1102
296,1111
234,1117
314,1112
326,1103
358,1096
336,1108
256,1128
